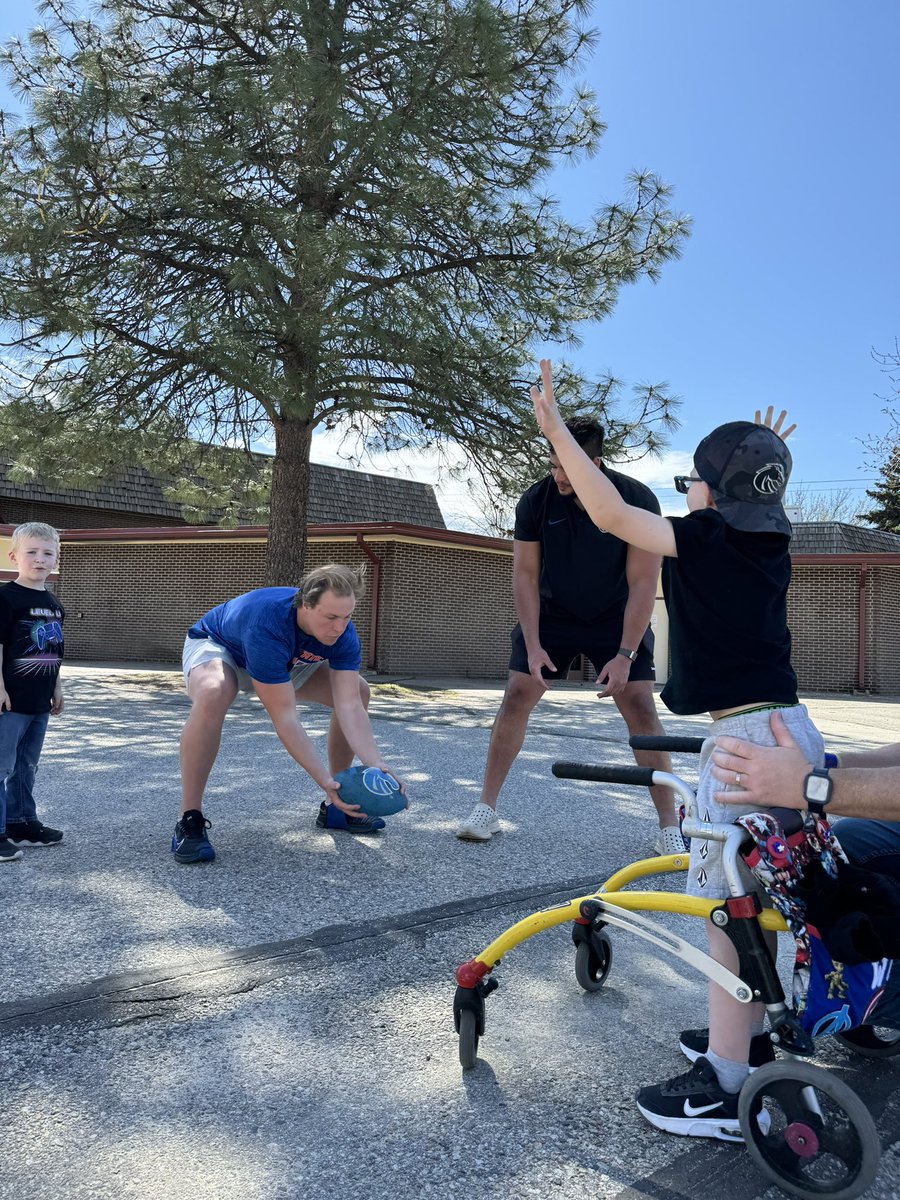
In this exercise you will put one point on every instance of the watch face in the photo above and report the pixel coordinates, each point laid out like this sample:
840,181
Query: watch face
817,788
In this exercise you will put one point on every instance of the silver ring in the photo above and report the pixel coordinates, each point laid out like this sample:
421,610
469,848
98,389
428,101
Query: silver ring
737,779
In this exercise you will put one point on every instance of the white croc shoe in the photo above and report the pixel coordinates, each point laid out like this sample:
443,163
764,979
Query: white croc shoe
480,825
670,841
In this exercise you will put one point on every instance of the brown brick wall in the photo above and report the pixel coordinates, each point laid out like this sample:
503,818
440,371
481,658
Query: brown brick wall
70,516
443,609
822,615
133,603
883,631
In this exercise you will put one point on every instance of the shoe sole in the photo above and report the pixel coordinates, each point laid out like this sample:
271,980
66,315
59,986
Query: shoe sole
34,845
207,854
469,835
12,857
723,1131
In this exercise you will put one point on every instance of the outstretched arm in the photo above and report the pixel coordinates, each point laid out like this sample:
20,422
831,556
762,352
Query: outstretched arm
601,501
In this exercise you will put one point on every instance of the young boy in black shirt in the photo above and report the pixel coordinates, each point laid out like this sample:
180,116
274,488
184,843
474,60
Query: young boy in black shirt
726,571
31,649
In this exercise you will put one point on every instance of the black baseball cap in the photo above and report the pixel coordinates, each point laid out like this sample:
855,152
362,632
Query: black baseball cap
747,468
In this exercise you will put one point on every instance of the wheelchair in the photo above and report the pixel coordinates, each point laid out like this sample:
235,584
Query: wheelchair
818,1139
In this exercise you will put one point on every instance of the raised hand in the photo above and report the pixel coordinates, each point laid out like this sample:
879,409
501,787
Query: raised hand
776,428
545,409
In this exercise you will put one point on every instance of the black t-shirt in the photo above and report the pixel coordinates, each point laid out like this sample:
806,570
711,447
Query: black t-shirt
582,576
32,638
726,593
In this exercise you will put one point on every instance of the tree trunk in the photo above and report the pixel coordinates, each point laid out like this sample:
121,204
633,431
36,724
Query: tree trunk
286,548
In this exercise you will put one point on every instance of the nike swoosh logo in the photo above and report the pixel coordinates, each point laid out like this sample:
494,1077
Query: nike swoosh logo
690,1111
558,521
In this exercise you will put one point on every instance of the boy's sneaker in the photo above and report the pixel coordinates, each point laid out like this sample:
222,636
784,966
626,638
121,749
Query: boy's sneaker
694,1042
331,817
670,841
190,843
8,851
694,1105
480,825
32,833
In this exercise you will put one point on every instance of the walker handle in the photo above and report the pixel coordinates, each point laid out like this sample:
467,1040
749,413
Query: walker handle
677,745
604,773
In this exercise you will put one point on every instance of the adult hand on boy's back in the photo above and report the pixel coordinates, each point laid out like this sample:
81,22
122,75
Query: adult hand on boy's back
776,428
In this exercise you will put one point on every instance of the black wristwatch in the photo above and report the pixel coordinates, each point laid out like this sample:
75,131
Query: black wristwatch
631,655
817,790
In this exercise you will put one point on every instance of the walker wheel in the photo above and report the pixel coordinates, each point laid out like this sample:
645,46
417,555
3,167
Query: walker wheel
808,1131
468,1039
593,959
871,1041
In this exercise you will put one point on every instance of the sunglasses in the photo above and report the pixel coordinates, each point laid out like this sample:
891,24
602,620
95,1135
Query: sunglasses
683,483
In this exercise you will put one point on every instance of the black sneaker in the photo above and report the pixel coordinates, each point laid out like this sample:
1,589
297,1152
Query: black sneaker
693,1105
32,833
190,843
333,818
8,852
694,1042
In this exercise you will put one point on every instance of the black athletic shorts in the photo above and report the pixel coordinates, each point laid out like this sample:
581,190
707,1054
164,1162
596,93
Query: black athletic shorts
565,643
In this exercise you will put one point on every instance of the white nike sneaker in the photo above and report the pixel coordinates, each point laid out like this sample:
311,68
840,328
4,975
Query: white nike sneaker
480,825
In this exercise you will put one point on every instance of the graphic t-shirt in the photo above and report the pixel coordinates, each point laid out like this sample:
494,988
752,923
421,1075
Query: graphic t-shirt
32,639
259,630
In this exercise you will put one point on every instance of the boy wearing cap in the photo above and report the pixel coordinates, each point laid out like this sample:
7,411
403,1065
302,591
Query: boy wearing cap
726,571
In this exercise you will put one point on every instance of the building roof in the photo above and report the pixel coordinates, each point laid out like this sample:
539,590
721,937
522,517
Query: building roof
837,537
336,495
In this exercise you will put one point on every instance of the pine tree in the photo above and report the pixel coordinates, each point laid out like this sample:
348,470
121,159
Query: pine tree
232,222
886,495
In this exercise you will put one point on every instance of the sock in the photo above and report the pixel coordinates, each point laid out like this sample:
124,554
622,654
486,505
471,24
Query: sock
731,1074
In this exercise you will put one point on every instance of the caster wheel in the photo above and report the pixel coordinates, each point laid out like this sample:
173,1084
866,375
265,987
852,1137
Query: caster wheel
593,959
814,1136
468,1039
871,1041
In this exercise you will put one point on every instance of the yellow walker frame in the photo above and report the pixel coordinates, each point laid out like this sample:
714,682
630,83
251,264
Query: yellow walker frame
819,1138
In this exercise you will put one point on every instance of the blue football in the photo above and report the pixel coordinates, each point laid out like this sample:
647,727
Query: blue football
376,792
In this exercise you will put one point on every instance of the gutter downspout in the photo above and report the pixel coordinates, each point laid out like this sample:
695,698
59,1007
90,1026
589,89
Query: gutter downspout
373,604
861,624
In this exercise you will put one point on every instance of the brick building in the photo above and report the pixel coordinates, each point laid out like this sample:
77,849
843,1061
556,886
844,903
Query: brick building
438,602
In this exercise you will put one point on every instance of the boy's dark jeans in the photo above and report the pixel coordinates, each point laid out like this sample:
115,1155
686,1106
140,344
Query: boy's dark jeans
21,740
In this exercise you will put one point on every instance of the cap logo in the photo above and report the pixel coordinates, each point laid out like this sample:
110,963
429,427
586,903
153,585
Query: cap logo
769,480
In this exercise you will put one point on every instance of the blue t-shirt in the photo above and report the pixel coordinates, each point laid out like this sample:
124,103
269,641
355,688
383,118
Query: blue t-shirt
260,631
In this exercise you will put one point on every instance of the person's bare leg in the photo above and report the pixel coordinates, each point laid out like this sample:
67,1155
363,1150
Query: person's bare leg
508,732
635,703
212,688
731,1023
317,690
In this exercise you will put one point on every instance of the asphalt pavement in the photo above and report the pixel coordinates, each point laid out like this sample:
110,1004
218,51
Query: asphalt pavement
278,1023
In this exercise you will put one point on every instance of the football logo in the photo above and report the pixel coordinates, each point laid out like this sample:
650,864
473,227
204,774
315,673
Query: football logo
377,782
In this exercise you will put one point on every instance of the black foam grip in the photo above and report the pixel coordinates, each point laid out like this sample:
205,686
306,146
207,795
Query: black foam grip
675,745
603,773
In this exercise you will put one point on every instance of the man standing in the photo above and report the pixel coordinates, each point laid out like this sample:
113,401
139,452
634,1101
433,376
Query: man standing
577,590
286,645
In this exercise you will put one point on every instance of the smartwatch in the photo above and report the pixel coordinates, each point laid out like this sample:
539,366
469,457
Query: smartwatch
631,655
817,791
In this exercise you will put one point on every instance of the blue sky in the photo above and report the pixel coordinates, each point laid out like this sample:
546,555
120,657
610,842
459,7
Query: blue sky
774,122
